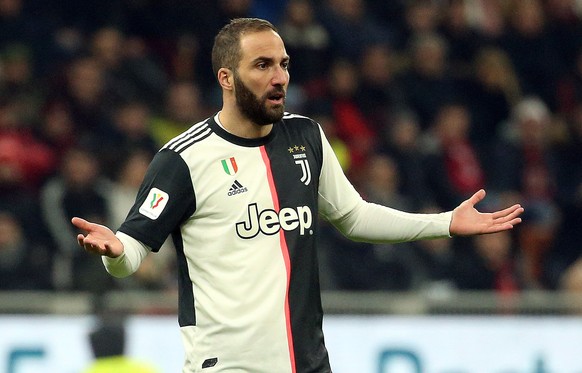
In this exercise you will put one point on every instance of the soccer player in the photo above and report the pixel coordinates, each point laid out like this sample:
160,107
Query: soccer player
240,193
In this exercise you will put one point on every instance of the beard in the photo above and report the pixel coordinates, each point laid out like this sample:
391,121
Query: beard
255,108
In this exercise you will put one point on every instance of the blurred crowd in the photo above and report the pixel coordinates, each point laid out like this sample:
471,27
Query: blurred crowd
424,102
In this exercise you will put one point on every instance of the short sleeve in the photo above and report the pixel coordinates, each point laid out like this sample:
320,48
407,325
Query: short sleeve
165,199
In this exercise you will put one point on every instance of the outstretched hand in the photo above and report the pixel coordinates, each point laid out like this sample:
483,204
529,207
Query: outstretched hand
99,239
468,221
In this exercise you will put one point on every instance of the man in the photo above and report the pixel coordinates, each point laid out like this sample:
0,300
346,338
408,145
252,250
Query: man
240,193
108,347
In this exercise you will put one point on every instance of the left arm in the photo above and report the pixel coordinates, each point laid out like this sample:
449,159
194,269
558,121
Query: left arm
359,220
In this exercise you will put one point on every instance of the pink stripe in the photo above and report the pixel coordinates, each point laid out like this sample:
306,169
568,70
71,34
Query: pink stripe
285,252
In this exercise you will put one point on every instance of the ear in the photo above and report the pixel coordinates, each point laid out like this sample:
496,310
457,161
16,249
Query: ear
225,78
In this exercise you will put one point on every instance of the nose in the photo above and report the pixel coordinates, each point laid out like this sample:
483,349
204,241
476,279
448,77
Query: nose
280,76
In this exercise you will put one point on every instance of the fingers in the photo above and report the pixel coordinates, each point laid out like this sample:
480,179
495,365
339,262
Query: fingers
94,248
81,240
90,246
506,219
509,214
507,211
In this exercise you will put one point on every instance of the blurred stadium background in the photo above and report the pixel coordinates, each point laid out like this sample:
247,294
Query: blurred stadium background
424,102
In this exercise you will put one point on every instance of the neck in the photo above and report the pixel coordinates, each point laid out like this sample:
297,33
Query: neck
237,124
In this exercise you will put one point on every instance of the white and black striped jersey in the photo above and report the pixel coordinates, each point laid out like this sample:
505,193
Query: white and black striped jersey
242,214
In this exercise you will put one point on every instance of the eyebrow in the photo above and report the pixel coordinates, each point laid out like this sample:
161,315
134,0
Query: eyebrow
269,59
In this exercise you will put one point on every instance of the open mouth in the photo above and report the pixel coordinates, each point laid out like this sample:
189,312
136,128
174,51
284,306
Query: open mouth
277,97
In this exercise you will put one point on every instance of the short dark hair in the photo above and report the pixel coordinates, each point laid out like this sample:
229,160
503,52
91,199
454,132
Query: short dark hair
226,50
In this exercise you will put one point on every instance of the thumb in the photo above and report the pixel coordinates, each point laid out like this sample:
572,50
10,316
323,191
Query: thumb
477,197
81,223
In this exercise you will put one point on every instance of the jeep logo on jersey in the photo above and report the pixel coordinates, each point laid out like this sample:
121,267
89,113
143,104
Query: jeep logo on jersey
269,221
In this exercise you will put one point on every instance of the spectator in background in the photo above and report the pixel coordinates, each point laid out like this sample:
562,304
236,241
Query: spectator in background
108,342
566,247
24,264
453,166
78,188
131,122
536,58
25,161
529,174
379,93
564,27
268,9
25,164
18,83
490,18
129,69
491,91
84,18
419,17
351,125
463,38
351,28
183,107
307,40
22,24
428,83
382,183
84,92
56,128
489,265
340,148
569,88
402,141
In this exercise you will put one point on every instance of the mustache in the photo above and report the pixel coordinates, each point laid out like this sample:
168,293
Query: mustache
278,90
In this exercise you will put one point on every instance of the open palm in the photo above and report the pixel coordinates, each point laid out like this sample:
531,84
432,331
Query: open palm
99,239
467,220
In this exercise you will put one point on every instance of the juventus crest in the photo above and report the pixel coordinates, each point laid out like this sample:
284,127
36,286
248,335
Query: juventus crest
298,152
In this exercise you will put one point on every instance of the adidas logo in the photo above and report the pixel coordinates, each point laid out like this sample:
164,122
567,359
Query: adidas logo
236,188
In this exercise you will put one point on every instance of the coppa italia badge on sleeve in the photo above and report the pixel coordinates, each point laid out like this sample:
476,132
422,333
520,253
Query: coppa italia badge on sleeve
298,152
154,204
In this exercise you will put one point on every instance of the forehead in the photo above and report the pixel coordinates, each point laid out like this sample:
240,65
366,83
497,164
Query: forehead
266,44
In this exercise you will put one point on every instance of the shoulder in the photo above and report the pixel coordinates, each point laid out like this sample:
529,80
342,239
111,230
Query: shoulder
291,118
195,134
300,123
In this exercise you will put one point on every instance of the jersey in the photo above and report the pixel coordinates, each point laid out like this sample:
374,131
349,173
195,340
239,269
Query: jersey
242,214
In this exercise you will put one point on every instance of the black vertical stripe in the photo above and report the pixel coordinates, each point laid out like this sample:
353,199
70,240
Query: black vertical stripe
186,311
304,290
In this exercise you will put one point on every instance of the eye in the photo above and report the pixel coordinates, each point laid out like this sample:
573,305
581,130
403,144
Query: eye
262,65
285,65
